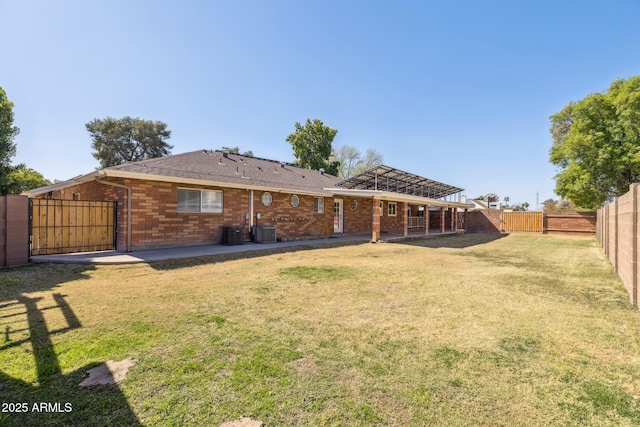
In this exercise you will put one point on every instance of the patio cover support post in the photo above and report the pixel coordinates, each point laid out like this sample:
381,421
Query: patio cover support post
126,187
375,220
442,219
426,219
464,219
455,219
405,218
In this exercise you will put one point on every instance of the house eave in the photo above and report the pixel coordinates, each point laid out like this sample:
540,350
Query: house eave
396,197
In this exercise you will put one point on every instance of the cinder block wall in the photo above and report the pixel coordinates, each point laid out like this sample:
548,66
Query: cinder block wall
14,230
618,224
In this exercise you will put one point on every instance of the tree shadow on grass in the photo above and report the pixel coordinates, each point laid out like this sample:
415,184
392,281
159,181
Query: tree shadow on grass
218,258
454,241
54,398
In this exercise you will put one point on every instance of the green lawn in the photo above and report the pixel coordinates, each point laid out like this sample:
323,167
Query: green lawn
457,330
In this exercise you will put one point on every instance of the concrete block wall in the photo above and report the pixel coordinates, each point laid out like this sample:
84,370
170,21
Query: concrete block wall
14,230
618,224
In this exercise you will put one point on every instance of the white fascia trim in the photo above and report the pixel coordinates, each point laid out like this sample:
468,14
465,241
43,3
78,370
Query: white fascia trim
61,185
208,183
396,197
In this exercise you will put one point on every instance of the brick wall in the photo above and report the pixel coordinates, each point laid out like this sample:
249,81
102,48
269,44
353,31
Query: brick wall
156,222
483,221
578,223
391,223
358,220
14,230
289,221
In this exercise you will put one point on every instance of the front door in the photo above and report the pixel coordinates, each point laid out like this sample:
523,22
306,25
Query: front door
337,216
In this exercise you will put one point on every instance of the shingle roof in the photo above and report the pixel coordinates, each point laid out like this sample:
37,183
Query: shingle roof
219,167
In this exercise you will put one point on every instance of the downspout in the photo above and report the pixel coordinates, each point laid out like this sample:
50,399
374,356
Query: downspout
126,187
250,209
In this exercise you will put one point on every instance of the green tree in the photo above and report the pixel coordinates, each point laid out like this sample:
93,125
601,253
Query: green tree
117,141
21,178
236,150
351,162
312,146
7,134
596,145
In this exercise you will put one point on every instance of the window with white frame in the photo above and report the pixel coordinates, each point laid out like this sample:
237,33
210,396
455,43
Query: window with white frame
393,208
318,204
205,201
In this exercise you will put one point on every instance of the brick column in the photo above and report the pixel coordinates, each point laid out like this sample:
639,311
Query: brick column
375,220
442,219
466,211
426,219
405,218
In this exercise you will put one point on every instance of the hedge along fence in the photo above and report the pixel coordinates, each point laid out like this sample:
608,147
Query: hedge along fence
617,233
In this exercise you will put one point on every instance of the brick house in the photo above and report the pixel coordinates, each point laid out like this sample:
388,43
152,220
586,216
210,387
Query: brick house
187,199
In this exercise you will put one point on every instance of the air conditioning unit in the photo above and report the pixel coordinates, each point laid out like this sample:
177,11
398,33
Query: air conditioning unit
264,234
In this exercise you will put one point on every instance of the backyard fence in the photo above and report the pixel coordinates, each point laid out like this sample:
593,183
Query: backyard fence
617,233
522,222
66,226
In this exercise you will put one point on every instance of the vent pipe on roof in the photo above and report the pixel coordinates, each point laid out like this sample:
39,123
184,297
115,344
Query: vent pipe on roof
321,171
225,154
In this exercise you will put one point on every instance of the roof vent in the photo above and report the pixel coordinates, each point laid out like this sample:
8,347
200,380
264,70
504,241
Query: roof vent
282,165
225,154
321,171
237,170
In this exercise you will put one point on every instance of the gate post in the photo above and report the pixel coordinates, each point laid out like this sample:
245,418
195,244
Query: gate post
634,246
15,224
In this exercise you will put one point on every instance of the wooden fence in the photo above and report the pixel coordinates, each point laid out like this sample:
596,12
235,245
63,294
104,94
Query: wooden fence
522,222
66,226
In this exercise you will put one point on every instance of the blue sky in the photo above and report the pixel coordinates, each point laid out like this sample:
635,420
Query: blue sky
456,91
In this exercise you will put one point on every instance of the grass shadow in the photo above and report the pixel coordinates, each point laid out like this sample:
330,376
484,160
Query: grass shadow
59,401
218,258
39,277
54,399
453,241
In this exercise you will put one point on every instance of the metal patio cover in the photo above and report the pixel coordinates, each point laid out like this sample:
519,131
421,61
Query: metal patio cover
385,178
